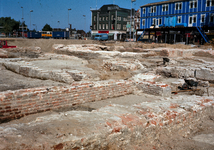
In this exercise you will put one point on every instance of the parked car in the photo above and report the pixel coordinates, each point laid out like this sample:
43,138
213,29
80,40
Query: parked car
101,37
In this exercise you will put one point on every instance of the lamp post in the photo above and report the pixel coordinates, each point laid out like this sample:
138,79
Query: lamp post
96,4
58,23
22,22
131,19
68,16
85,22
30,17
35,25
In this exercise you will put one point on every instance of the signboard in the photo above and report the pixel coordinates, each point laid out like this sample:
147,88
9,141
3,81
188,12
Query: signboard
103,31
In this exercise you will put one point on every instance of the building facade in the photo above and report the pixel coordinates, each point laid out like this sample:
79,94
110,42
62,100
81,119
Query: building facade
110,19
177,13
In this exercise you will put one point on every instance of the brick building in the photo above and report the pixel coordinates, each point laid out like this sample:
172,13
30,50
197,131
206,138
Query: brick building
110,19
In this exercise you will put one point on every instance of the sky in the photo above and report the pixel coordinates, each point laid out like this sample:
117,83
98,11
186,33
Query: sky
52,11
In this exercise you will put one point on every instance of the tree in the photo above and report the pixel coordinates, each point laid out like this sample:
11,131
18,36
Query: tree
88,33
47,27
81,32
8,25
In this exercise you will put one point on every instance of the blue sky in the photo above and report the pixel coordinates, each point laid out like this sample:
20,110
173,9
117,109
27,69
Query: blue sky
52,11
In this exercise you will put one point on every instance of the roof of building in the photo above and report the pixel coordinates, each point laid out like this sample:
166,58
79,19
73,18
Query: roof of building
110,7
163,2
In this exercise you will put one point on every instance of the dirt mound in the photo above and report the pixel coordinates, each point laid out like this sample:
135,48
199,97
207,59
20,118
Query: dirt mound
46,44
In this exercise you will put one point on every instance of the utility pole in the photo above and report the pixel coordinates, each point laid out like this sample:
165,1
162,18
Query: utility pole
85,22
35,26
22,23
131,20
58,23
68,16
30,18
96,4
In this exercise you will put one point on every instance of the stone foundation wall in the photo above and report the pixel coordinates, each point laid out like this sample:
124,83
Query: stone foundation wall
16,104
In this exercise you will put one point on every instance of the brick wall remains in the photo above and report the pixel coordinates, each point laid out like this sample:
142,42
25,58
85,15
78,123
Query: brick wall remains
16,104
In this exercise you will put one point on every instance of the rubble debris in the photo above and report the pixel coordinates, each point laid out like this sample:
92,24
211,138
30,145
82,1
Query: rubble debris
119,64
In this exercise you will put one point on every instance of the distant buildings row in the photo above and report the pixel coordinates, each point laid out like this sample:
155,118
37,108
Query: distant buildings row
114,20
187,14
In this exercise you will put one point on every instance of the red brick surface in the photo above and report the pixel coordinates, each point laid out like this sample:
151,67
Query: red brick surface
16,104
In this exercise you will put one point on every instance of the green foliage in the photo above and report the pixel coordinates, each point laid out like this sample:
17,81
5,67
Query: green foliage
47,27
8,25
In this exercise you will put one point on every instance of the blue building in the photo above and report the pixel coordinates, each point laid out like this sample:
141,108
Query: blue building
178,19
172,13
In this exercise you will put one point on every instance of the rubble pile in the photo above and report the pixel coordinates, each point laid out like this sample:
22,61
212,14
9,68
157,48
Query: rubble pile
29,52
119,64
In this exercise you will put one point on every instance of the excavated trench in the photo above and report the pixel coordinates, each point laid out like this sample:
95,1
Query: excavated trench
106,99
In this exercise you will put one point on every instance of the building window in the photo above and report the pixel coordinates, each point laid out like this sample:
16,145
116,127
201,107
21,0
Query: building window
119,18
153,9
194,19
103,26
99,26
106,18
211,17
143,22
202,18
178,6
118,26
112,26
160,21
112,17
209,3
153,21
95,27
124,19
193,4
190,19
95,18
124,27
103,18
179,19
144,10
165,7
107,26
100,18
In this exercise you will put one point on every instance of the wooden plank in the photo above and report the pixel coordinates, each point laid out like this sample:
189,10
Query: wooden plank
185,90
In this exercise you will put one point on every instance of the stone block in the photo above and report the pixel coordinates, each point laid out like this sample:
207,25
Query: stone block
24,70
205,74
159,89
77,75
12,66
